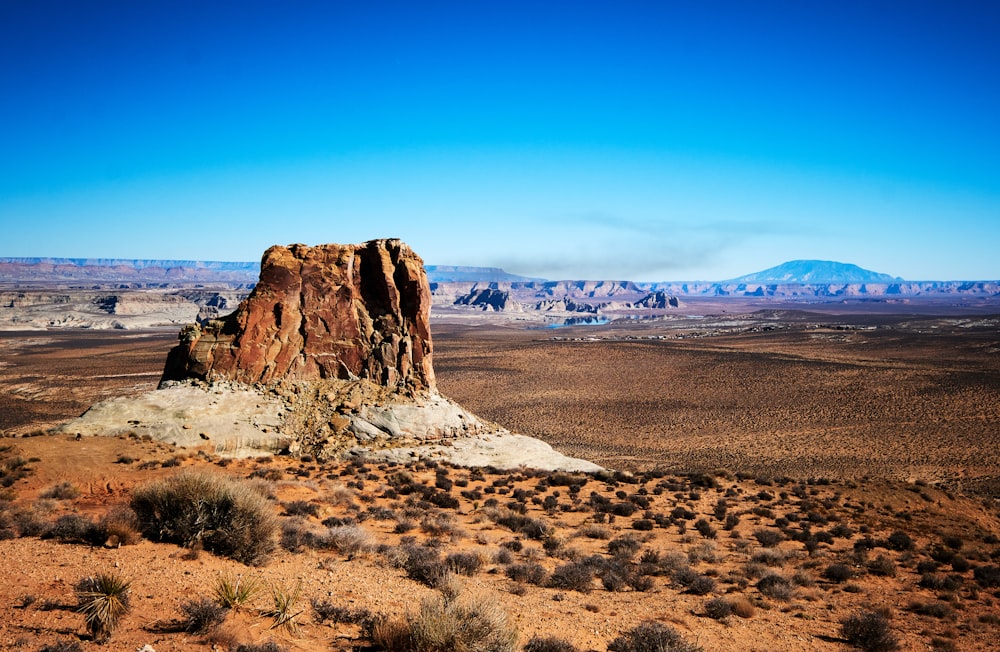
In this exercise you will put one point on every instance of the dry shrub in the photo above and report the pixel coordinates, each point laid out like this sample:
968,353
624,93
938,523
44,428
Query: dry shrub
869,631
742,607
350,540
222,514
838,573
526,525
528,572
591,531
120,526
324,610
883,566
549,644
775,586
61,491
718,608
471,624
651,636
202,615
574,576
464,563
72,528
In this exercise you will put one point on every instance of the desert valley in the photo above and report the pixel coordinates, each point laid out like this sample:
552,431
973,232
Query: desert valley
781,464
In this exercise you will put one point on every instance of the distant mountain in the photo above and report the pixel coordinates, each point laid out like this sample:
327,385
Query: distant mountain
815,272
135,263
459,274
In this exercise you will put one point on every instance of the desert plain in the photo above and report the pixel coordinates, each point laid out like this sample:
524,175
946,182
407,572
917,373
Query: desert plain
772,471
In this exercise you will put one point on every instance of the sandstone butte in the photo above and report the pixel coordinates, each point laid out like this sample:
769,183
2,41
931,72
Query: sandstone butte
330,355
325,312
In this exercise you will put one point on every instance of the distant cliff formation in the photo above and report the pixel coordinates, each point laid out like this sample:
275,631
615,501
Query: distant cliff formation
324,312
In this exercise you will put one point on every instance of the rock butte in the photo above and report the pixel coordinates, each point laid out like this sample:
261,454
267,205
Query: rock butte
329,355
331,311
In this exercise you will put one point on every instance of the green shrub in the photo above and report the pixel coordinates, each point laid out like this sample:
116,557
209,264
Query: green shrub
235,592
224,515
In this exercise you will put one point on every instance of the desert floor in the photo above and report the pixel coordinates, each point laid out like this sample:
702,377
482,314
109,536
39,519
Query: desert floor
831,441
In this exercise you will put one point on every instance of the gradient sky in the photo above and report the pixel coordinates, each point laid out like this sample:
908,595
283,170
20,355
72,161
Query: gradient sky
640,140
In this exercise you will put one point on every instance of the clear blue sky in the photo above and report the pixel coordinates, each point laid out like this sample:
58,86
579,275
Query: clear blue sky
642,140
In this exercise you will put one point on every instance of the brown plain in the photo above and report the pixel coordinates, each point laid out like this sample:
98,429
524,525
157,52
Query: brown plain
913,407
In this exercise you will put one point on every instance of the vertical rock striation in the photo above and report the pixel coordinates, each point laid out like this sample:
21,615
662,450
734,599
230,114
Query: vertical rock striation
324,312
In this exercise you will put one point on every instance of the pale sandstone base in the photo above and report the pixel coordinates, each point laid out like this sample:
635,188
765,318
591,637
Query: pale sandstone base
234,420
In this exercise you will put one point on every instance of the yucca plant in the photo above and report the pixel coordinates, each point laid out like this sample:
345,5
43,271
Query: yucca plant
103,600
283,613
235,592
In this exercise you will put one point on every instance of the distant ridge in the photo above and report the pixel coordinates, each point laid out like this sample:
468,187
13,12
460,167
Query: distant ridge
460,274
814,272
135,263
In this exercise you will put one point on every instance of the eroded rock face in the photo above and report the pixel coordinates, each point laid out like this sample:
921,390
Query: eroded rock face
324,312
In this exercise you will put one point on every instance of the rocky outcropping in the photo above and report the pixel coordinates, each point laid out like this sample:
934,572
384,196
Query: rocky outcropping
330,311
329,356
657,301
489,299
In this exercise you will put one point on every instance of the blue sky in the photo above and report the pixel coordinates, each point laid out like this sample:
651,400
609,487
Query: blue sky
641,140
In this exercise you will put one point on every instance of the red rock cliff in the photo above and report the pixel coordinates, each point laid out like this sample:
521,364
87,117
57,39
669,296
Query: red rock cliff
330,311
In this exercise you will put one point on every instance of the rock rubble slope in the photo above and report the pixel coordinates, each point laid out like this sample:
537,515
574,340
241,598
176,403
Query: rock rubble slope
330,355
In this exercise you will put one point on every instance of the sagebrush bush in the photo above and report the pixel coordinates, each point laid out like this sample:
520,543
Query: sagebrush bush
224,515
529,572
350,540
324,610
575,576
464,563
882,566
869,631
775,586
62,646
718,608
73,528
120,526
651,636
549,644
61,491
838,573
768,538
472,624
424,565
202,615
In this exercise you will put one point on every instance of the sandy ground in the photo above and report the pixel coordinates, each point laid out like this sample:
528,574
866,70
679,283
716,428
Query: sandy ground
904,406
37,602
